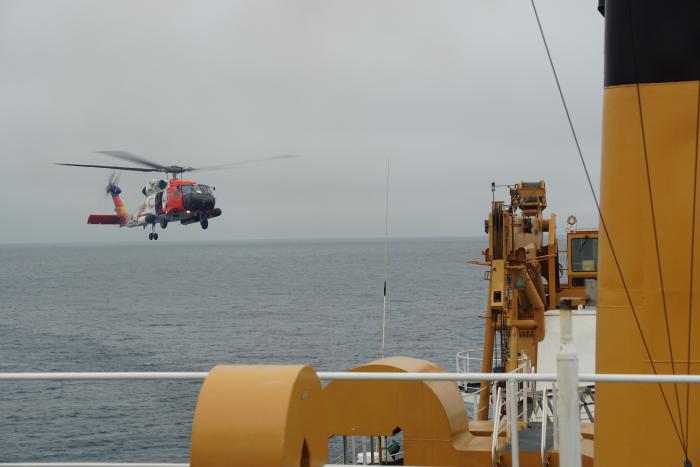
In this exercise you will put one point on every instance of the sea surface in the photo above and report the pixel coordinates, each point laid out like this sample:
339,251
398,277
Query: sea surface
161,306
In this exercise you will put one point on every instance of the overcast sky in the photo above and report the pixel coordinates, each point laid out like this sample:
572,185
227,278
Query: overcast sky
456,93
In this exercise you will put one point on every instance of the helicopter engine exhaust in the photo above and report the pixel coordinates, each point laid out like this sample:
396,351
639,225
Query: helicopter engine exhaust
154,186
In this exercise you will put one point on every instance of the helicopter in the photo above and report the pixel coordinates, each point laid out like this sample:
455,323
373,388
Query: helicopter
172,200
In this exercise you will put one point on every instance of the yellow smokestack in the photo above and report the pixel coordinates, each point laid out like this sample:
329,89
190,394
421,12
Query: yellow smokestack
649,194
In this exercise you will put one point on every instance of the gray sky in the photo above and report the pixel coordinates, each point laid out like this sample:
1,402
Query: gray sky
455,93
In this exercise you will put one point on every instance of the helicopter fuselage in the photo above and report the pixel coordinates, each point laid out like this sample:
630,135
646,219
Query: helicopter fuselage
175,200
184,201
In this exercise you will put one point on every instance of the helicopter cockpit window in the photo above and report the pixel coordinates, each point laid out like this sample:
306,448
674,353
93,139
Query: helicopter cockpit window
187,189
584,254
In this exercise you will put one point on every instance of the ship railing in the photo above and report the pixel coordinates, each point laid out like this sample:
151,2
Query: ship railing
495,433
508,401
503,424
356,447
566,430
467,361
543,435
522,393
470,360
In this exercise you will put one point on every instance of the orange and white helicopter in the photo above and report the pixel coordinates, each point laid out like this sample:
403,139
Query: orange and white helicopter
166,201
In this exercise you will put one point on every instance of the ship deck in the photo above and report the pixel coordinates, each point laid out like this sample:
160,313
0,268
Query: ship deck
530,438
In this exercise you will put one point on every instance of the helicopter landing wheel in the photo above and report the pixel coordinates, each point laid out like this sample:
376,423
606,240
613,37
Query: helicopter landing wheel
204,223
150,236
163,223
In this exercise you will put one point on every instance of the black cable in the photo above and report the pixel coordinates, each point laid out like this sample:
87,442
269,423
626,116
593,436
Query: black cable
602,222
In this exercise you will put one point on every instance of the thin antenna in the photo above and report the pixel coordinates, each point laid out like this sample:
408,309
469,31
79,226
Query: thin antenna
386,253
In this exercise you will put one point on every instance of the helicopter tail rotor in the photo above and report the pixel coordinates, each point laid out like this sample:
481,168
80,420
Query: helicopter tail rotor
112,187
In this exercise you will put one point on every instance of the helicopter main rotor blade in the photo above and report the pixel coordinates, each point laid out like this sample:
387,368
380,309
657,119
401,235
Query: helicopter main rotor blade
245,162
171,169
127,156
115,167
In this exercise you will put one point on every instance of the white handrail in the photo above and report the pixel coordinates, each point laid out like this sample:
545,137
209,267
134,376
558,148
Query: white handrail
525,395
91,464
114,464
555,417
496,423
363,376
568,406
533,391
106,375
543,441
551,377
512,399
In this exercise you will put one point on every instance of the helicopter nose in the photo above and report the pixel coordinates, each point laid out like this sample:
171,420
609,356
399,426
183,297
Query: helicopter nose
199,202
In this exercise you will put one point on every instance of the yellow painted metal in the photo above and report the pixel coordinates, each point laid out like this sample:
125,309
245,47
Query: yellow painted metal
523,279
550,226
486,365
259,415
530,197
430,414
587,274
534,294
633,425
497,284
575,290
279,416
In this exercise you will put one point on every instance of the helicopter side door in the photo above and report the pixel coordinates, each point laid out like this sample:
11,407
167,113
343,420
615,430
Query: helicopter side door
159,203
173,201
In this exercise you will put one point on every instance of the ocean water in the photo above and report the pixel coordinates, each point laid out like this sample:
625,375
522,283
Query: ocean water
162,306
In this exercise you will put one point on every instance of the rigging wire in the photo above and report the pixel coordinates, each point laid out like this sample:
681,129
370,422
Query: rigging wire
658,255
386,252
692,264
653,215
602,221
635,68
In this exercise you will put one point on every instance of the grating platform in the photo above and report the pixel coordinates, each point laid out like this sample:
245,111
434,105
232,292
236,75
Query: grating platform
530,438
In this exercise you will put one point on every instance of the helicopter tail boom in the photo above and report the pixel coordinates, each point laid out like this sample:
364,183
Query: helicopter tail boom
119,206
111,219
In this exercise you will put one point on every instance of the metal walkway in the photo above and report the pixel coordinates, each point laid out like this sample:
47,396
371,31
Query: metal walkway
530,438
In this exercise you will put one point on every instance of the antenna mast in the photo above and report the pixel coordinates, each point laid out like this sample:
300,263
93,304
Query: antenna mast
386,252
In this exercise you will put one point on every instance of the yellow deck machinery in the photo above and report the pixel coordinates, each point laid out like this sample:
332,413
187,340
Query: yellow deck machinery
525,278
